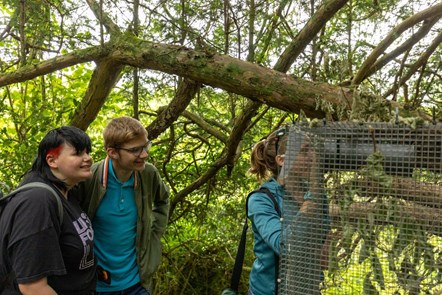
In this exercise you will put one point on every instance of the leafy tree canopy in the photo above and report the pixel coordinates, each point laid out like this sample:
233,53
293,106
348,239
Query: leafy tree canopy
208,79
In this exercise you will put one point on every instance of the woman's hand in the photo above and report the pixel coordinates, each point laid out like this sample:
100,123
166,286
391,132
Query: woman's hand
308,206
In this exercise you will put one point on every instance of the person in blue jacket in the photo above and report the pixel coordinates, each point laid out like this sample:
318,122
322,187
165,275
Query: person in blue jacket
267,162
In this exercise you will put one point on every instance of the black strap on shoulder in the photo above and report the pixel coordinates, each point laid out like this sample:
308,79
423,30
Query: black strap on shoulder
270,195
40,185
239,260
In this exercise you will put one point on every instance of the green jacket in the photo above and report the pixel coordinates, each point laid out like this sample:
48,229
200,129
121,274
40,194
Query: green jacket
152,199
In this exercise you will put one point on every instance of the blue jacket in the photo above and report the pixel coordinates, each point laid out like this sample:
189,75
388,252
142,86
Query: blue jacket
266,226
300,229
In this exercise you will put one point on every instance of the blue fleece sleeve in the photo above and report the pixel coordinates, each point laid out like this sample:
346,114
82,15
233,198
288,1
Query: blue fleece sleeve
265,220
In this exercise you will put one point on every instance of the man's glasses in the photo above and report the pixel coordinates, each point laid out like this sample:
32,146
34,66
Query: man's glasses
136,151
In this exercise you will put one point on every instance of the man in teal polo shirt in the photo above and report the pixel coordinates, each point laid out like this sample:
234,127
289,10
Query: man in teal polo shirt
128,204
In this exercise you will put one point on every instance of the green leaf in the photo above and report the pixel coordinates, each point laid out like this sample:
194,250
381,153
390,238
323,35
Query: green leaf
333,258
368,287
347,238
364,252
378,273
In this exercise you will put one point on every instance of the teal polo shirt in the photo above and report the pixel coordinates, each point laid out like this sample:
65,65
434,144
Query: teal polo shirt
115,224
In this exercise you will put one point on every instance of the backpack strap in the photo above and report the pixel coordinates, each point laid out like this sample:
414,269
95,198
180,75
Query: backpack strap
239,260
38,184
270,195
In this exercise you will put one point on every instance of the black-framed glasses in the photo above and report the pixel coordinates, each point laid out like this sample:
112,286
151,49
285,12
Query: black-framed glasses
136,151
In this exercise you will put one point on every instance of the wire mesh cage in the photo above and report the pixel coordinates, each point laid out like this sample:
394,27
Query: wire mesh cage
362,211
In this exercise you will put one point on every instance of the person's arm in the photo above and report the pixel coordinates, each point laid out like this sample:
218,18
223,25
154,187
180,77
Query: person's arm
33,246
39,287
265,219
161,206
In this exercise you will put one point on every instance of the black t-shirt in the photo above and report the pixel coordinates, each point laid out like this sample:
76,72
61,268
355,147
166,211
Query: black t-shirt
35,245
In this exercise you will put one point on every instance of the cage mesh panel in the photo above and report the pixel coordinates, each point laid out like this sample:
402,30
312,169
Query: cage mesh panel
378,185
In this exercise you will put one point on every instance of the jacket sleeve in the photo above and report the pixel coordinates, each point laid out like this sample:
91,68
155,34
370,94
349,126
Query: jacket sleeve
265,219
317,221
89,191
161,205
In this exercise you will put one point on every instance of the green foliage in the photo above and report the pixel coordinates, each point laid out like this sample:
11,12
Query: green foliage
375,170
199,253
27,112
392,252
